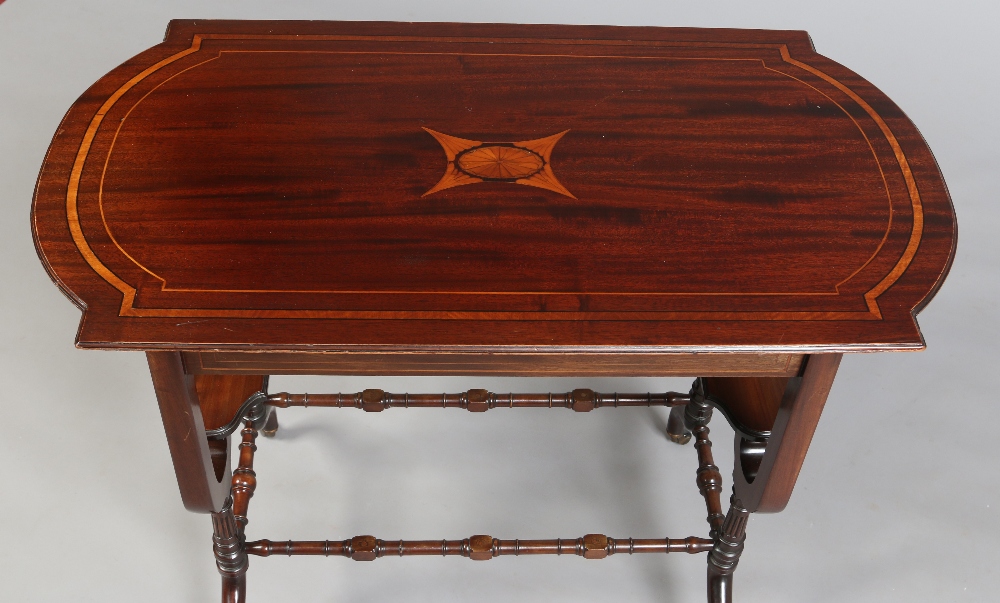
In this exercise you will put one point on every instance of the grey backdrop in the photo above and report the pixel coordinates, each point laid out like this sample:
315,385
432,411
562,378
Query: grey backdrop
897,500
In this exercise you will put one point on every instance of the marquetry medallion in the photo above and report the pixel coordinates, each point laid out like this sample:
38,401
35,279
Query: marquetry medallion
472,161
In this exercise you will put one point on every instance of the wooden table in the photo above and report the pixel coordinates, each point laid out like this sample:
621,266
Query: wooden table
257,198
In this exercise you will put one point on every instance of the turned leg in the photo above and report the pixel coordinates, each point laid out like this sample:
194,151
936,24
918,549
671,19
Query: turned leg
230,554
270,427
676,430
229,524
727,531
725,554
774,421
192,406
697,414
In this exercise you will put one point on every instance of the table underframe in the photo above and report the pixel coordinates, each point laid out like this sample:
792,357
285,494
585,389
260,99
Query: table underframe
773,402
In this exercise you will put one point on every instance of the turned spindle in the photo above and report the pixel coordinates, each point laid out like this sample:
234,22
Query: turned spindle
244,477
476,400
709,479
480,547
725,554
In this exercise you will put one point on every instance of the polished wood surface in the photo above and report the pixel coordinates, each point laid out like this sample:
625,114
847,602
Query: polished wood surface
229,547
479,548
257,198
278,186
244,477
527,162
726,535
751,402
507,363
725,555
766,470
477,400
220,396
709,479
203,487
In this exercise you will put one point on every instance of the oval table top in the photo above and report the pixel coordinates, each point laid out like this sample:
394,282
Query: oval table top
437,186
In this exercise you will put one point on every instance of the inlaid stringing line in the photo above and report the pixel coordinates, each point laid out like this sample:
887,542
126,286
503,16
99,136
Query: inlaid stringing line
129,292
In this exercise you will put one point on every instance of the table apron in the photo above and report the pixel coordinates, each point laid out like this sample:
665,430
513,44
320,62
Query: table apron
493,364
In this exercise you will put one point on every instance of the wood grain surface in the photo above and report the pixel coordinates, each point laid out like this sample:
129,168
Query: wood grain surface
263,185
494,363
220,396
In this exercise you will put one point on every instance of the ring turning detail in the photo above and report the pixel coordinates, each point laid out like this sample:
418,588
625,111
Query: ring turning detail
475,400
480,547
726,532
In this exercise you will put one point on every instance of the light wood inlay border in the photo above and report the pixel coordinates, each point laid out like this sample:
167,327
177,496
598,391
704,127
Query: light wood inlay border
128,307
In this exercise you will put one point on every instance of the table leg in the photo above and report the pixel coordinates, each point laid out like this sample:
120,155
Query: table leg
726,553
766,466
270,428
677,431
697,414
230,554
203,489
202,466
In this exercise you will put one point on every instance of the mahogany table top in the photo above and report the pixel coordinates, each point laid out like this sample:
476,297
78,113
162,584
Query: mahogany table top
400,186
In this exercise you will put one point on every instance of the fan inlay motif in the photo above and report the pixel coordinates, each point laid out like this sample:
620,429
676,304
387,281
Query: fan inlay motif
472,161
